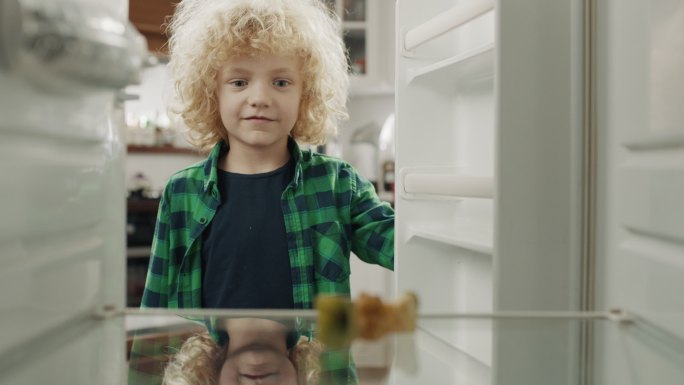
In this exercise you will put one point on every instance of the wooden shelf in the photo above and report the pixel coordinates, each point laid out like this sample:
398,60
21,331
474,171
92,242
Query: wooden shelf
138,206
132,149
149,17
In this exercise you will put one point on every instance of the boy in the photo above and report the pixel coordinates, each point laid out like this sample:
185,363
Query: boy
263,351
261,223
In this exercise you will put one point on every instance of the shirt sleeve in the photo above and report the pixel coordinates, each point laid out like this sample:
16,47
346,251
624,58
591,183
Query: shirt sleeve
157,282
372,224
147,355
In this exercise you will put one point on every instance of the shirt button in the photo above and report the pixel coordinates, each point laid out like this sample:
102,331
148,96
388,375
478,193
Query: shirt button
203,220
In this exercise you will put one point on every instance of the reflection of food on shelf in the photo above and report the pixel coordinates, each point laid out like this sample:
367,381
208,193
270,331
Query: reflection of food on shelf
340,320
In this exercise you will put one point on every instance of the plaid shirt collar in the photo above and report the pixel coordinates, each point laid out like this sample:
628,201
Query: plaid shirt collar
211,164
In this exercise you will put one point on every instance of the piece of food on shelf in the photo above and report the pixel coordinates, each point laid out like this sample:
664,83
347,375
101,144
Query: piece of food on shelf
336,324
340,320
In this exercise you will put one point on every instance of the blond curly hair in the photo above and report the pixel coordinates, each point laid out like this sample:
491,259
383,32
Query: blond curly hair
206,33
200,358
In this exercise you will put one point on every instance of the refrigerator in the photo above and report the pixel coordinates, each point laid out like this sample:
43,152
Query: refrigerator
539,153
539,176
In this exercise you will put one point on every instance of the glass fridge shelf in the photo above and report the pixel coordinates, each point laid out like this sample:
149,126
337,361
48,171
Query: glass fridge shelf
283,347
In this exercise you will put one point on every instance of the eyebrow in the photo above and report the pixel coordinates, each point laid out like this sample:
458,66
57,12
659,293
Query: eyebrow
246,71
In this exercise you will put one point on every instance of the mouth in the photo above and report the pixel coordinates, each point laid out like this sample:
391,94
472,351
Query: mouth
256,377
259,118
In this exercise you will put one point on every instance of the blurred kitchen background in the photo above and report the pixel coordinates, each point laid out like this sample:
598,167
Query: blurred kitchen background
157,146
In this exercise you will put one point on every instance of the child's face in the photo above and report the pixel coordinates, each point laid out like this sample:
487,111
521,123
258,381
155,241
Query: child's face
259,100
257,354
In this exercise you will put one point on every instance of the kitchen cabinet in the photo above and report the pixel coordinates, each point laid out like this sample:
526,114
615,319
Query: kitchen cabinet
368,32
149,17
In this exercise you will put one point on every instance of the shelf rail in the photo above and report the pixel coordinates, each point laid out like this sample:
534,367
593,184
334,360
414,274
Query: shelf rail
449,185
445,22
618,315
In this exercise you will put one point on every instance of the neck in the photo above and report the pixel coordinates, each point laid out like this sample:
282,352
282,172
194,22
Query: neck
244,160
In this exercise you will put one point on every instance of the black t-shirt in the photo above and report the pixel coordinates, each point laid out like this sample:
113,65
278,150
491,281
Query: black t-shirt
245,260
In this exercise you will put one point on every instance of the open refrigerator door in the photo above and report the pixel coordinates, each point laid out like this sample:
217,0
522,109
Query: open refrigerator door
518,160
489,184
62,66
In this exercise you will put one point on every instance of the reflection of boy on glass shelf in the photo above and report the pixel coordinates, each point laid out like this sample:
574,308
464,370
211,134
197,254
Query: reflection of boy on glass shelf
261,351
262,223
256,351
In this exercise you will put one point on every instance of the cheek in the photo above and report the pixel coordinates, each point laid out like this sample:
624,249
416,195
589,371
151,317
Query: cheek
226,107
228,375
289,374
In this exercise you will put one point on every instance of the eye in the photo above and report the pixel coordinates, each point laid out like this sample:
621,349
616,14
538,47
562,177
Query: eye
238,83
281,83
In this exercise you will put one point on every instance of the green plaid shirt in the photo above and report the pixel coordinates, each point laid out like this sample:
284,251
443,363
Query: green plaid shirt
329,210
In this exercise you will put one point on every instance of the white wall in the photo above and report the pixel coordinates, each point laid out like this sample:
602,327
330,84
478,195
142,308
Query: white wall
153,93
365,111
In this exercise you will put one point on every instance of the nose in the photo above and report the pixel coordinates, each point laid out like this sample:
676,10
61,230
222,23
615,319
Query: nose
259,95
